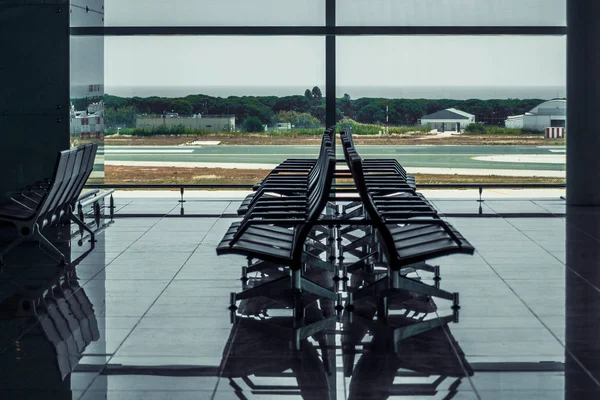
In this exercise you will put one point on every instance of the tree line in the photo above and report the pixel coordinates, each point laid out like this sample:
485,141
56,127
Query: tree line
309,108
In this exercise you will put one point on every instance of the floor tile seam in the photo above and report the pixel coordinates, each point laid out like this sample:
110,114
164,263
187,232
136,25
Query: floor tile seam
156,299
455,351
120,254
521,299
451,344
565,264
225,357
526,201
527,306
136,324
120,208
535,242
539,205
549,330
595,239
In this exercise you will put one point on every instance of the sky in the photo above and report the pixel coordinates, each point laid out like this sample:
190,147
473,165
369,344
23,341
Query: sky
349,12
180,61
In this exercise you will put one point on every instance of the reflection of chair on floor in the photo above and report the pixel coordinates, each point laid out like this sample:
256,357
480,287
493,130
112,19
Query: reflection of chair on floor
399,365
64,317
256,350
268,314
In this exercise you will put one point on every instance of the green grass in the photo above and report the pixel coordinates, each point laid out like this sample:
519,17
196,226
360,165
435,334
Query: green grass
374,129
497,130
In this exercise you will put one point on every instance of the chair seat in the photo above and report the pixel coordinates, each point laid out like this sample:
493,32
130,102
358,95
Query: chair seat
14,211
261,241
415,243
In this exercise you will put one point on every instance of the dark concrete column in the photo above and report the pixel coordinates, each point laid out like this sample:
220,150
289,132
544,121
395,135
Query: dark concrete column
34,94
583,107
582,305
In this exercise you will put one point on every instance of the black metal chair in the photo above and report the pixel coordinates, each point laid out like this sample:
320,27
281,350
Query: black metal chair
280,236
411,238
50,203
25,219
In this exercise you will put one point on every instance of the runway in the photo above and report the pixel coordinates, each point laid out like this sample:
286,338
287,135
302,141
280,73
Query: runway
547,161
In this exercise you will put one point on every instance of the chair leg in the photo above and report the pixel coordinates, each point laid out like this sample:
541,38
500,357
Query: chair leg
396,283
421,327
276,287
412,285
18,240
44,242
83,226
314,288
372,289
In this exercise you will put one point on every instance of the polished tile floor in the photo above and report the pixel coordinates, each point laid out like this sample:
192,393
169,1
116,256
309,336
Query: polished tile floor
528,327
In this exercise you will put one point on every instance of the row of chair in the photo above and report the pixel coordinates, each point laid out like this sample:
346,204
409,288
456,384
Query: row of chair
405,226
277,225
288,223
50,202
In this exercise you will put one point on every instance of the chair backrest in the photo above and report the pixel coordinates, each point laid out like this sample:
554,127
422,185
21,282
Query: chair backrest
56,199
67,193
64,159
379,222
86,170
318,196
348,142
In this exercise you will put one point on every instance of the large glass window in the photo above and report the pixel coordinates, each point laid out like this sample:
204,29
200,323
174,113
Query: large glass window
444,99
210,94
451,12
452,67
215,13
178,66
259,87
86,114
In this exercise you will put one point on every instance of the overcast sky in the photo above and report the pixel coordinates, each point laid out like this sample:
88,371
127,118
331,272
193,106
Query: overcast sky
299,61
349,12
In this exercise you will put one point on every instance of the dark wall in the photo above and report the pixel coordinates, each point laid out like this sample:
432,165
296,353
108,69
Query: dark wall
34,89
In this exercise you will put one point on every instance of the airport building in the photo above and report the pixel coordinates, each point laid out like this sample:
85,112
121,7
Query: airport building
550,114
212,123
89,123
448,120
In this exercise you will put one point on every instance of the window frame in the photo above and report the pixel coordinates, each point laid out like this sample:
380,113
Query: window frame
330,31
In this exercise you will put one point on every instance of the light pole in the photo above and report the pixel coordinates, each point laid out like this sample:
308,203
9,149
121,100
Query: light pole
387,118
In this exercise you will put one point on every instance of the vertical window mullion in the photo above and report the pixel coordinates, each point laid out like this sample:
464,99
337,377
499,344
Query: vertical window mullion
330,63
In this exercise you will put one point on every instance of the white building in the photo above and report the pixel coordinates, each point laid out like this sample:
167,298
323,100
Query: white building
213,123
550,114
88,124
450,119
281,126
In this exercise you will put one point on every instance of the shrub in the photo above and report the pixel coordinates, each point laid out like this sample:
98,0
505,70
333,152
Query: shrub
253,124
475,128
494,130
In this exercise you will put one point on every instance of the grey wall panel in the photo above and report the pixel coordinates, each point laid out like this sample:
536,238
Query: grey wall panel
34,77
34,67
28,149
